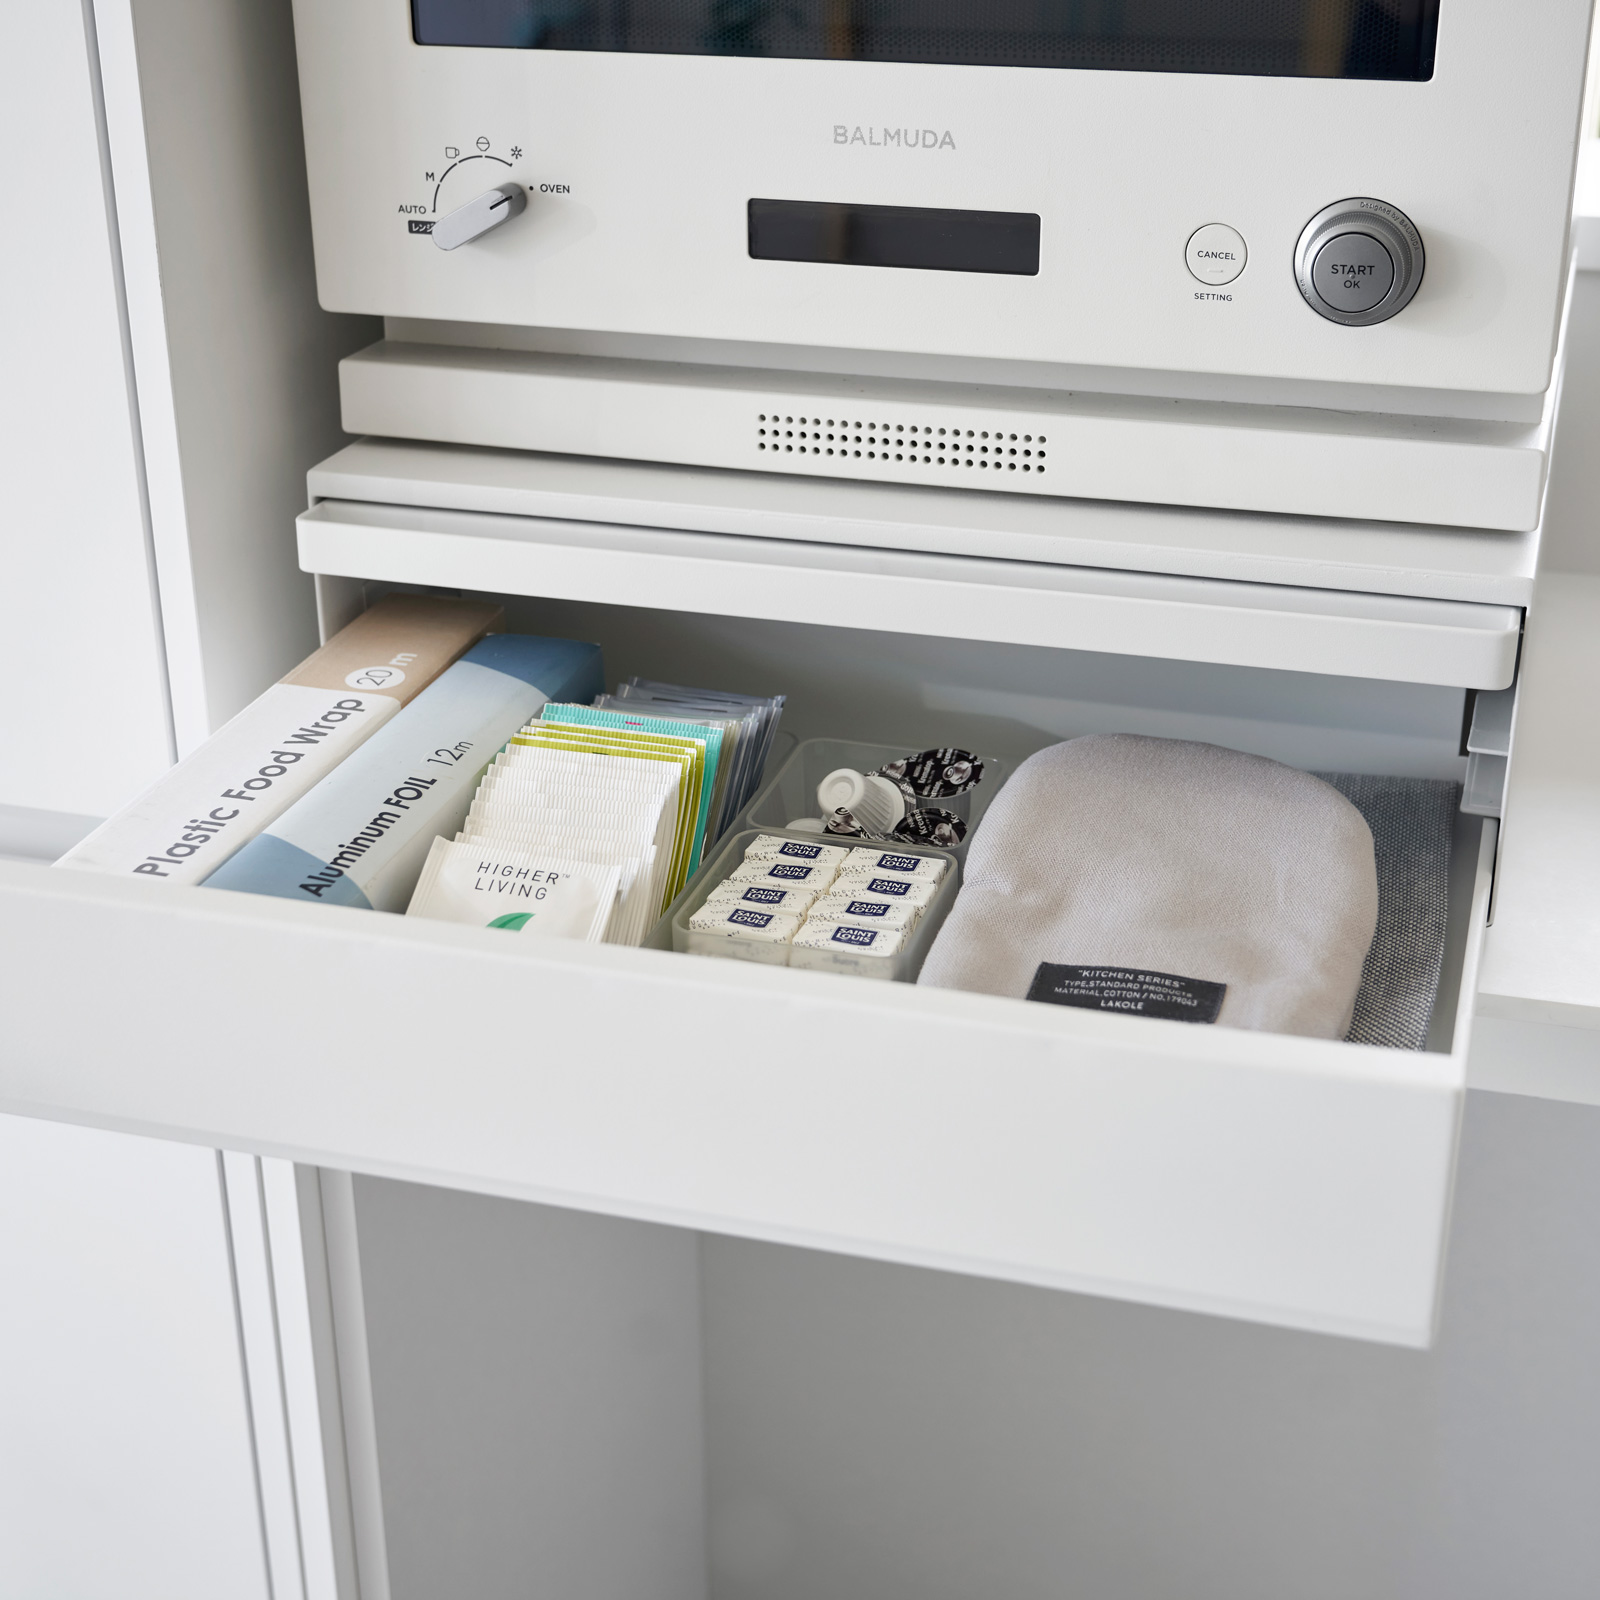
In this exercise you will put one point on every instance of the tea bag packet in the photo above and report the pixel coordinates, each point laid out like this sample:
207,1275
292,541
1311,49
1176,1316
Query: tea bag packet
280,746
687,755
1163,878
630,741
634,907
637,838
519,891
759,717
555,787
737,733
707,735
582,776
596,782
591,800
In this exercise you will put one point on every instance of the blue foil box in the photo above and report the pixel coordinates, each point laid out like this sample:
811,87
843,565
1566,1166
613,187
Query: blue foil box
360,837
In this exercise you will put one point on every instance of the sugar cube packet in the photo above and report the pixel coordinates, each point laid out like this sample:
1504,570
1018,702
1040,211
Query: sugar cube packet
843,937
745,922
864,911
898,865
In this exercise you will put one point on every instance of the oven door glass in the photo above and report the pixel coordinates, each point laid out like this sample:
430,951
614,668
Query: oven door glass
1260,38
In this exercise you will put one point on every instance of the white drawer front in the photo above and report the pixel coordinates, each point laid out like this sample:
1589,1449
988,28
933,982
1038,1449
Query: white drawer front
1292,1181
959,597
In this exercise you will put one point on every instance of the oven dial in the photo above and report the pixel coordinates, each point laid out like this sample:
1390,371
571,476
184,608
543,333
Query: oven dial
480,214
1359,262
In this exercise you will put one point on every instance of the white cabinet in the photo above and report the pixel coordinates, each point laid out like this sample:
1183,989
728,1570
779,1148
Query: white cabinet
156,318
80,624
647,1097
128,1465
1294,1181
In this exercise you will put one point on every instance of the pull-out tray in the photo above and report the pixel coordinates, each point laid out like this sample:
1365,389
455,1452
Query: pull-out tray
1294,1181
1460,643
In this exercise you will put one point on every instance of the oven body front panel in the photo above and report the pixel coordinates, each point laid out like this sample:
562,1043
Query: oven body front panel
640,170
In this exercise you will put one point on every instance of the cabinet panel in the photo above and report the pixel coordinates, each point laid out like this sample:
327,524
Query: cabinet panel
1296,1181
127,1464
92,728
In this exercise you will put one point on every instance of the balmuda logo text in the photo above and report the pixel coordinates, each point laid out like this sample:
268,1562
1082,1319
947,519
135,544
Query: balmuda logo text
898,138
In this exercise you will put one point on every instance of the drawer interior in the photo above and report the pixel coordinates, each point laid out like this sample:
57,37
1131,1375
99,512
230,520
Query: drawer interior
1296,1181
1011,700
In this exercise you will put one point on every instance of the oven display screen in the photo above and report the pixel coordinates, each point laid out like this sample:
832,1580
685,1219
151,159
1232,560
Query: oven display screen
1258,38
895,236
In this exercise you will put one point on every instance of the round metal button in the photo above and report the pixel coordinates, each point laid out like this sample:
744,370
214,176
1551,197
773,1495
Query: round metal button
1359,262
1353,272
1216,253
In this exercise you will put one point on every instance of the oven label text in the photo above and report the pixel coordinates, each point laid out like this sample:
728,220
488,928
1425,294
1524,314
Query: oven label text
901,138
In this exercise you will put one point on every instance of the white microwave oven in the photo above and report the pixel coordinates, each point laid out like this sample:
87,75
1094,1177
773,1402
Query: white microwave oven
1280,255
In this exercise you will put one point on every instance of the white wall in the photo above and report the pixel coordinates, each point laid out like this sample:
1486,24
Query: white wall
1572,507
126,1470
237,365
187,477
86,715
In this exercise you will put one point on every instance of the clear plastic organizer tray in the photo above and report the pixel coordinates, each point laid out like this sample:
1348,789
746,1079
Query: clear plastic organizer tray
673,931
792,791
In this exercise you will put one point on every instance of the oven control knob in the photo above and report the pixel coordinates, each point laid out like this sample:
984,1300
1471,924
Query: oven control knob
1359,262
488,210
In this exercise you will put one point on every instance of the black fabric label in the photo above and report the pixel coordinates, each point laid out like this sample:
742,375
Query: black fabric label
1140,994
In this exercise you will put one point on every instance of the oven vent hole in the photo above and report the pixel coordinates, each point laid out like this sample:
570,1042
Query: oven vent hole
867,436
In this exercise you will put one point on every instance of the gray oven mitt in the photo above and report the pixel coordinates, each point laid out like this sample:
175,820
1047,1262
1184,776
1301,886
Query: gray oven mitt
1162,878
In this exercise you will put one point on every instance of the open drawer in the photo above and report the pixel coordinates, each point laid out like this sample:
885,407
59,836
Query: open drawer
1285,1180
1292,1181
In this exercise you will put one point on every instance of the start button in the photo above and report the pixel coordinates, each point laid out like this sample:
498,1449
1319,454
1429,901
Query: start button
1215,253
1352,272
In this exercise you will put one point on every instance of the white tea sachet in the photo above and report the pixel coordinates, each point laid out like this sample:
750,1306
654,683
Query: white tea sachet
522,891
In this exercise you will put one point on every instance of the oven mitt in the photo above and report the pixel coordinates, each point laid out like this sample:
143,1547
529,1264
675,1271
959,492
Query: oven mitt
1158,877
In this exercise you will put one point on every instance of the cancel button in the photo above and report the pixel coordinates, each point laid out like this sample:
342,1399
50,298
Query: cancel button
1353,272
1215,253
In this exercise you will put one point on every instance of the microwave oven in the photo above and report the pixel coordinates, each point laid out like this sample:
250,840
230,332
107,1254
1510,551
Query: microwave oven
1283,255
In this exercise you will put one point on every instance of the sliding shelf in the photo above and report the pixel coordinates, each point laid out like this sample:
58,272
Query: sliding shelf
1343,633
1398,558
